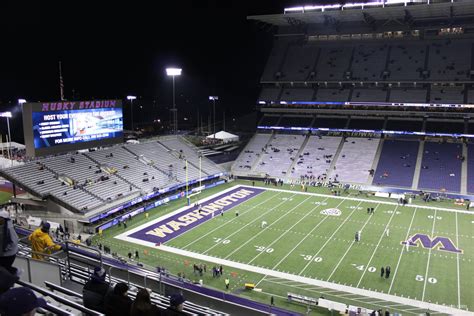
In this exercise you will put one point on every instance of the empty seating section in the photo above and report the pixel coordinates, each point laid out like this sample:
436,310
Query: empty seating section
366,124
316,157
332,95
470,128
251,153
278,156
45,182
470,168
441,167
297,94
447,95
369,95
299,61
89,180
404,125
192,155
470,96
269,120
333,62
396,166
369,61
131,168
445,127
275,59
355,160
450,60
329,122
408,95
298,121
407,61
269,94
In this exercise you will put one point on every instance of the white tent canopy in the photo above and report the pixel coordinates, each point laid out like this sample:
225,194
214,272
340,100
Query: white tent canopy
225,137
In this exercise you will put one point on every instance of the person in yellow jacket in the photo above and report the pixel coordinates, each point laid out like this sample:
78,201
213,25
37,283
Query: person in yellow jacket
42,242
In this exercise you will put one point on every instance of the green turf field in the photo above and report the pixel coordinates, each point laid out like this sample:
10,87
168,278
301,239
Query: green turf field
4,197
301,241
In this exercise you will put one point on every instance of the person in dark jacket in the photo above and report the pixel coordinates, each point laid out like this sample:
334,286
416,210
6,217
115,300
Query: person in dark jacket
176,305
142,305
117,302
8,242
95,290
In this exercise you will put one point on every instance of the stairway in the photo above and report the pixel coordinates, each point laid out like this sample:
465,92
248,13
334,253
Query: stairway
252,168
153,166
336,156
303,145
464,170
376,160
172,152
416,176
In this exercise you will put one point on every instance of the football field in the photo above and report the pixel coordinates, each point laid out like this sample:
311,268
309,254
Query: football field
310,238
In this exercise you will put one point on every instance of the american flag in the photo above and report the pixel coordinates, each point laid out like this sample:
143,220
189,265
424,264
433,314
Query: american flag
61,83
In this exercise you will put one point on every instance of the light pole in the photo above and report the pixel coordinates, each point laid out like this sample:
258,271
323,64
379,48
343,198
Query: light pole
7,115
214,98
131,98
173,72
200,176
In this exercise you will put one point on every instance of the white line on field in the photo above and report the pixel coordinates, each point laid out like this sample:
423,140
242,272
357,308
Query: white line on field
329,239
228,222
457,255
349,248
376,247
429,257
260,232
401,252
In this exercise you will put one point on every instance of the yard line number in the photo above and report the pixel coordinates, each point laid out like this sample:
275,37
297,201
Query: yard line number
421,278
311,258
263,249
221,241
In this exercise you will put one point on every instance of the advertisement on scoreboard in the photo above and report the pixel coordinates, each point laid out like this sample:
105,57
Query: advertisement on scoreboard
54,128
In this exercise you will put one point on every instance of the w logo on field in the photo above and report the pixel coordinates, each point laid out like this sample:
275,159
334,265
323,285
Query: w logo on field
331,212
440,243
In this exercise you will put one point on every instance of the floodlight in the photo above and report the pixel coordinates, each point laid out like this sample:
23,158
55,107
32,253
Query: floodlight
6,114
21,101
131,97
213,97
173,71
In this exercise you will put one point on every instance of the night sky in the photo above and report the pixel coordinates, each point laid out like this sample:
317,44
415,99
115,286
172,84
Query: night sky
110,51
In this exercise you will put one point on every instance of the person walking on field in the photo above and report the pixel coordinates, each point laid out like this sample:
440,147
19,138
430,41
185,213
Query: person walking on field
227,282
382,272
41,242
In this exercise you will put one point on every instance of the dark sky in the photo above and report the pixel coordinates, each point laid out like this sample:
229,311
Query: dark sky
123,47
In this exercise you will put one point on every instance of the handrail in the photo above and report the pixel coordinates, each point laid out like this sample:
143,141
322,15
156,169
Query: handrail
59,299
86,247
61,289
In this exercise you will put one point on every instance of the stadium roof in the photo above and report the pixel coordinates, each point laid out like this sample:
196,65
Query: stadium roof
389,10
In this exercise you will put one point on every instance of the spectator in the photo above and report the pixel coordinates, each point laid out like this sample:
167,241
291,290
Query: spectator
117,303
41,241
176,305
8,242
7,280
142,305
95,290
20,301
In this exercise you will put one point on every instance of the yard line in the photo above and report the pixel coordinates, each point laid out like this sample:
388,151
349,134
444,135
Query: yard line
249,209
329,239
289,229
252,238
352,244
429,257
457,255
307,235
401,252
375,250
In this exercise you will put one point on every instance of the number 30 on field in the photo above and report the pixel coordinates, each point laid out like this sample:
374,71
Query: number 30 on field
311,258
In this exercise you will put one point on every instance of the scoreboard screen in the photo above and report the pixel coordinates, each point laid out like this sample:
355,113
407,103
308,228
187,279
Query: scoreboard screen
67,126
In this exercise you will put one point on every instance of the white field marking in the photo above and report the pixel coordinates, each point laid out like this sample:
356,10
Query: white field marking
365,200
457,255
349,248
401,252
301,241
261,231
376,247
429,257
289,229
228,222
329,239
249,223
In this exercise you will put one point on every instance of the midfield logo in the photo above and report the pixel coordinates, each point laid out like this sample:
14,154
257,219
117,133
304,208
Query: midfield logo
439,243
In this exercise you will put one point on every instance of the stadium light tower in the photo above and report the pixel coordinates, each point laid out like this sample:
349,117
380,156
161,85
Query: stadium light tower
8,115
173,72
214,98
131,98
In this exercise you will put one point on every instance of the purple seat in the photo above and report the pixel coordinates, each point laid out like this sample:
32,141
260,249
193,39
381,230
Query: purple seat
440,167
470,168
398,160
